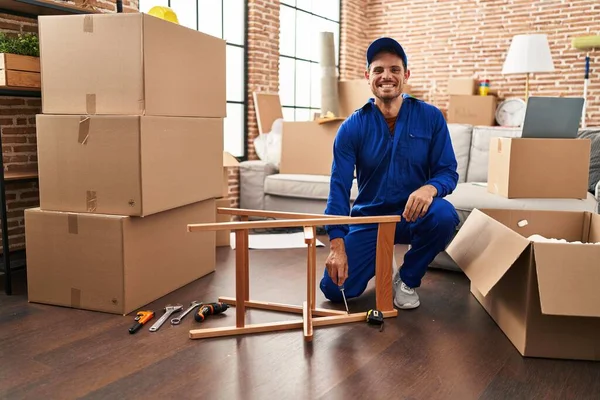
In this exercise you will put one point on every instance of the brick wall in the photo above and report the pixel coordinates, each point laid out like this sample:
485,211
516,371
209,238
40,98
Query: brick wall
263,57
353,38
17,119
464,38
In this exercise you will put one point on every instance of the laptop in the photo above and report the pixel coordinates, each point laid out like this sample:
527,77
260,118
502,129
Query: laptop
552,117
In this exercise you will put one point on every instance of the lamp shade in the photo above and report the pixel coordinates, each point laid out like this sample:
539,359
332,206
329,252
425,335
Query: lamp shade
528,53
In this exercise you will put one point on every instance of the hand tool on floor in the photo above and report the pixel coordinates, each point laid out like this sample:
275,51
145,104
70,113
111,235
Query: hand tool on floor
140,319
344,296
375,317
193,305
210,309
169,309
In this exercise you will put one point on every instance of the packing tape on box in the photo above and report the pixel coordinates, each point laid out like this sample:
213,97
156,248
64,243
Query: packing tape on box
90,103
91,201
88,24
84,130
73,224
75,298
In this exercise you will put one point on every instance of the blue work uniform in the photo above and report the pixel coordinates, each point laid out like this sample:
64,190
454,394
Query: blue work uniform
389,167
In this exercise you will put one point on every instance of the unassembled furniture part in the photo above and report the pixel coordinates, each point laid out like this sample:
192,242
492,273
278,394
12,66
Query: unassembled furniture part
312,316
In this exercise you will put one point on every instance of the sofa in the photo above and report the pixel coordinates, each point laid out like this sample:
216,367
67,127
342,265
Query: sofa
263,187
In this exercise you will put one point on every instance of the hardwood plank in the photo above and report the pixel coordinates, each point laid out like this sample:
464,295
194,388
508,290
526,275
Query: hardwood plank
447,348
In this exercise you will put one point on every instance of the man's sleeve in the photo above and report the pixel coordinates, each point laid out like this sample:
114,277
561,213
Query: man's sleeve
443,175
342,174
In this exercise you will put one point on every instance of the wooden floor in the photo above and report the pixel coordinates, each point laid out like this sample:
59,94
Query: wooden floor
447,349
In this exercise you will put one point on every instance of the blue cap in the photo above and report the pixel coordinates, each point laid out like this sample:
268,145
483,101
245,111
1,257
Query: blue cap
385,43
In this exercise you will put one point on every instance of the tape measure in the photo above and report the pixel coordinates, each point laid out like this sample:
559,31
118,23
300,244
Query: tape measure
375,317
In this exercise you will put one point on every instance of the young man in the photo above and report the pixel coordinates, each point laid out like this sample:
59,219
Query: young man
405,165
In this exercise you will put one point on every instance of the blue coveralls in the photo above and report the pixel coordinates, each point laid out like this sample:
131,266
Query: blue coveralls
388,169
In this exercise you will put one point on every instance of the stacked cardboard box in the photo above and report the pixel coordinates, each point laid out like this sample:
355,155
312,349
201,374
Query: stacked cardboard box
535,271
130,149
467,106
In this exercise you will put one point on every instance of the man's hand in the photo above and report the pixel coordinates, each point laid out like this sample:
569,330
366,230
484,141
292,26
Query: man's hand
337,262
418,202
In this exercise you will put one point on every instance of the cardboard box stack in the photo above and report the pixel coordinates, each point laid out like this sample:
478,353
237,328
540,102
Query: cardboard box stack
467,106
536,272
130,148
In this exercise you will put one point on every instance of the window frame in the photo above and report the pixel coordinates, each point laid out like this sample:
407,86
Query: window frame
295,58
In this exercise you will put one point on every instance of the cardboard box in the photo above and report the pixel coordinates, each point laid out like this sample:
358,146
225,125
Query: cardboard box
229,161
307,147
539,168
473,110
223,237
128,165
462,86
115,264
543,295
157,68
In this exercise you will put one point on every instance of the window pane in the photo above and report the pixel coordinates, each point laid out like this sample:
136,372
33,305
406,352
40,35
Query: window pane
186,12
235,20
286,81
290,2
288,114
303,35
303,114
235,73
146,5
315,89
327,8
303,83
234,130
287,31
314,112
209,17
304,4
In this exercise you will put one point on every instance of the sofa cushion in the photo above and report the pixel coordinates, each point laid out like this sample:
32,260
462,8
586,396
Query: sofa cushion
460,135
302,186
477,171
468,196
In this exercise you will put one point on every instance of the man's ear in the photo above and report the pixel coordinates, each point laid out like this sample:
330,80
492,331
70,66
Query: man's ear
406,75
367,74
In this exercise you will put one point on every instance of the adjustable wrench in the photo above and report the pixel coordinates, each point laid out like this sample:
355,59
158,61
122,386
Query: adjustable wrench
168,311
193,305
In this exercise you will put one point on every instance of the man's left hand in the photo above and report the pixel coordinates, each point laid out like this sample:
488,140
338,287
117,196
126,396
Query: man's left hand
418,202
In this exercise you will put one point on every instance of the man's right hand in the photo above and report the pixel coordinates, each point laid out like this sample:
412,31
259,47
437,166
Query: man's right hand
337,262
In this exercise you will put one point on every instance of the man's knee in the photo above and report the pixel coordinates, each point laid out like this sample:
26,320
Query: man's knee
442,215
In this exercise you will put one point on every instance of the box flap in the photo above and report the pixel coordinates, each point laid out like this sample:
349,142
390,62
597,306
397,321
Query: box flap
229,160
268,109
568,276
485,249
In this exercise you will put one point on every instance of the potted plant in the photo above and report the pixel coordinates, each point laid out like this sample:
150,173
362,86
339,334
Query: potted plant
19,61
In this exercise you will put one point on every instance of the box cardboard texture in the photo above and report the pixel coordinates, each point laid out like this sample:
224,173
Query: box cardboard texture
544,296
462,86
223,237
473,110
539,168
158,68
128,165
307,147
115,264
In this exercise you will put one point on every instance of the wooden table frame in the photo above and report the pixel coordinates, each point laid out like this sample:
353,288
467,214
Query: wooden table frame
311,316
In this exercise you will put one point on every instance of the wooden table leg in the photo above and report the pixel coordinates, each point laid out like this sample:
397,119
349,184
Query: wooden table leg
241,257
247,278
383,271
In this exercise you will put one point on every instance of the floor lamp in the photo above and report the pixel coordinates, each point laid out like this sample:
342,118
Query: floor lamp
528,54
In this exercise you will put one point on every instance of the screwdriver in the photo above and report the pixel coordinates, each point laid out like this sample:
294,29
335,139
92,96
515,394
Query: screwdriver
344,296
210,309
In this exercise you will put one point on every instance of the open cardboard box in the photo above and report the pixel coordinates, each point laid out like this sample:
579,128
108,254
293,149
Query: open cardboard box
543,295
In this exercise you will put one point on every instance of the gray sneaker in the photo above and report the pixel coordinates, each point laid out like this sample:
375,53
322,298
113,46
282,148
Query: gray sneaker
404,296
